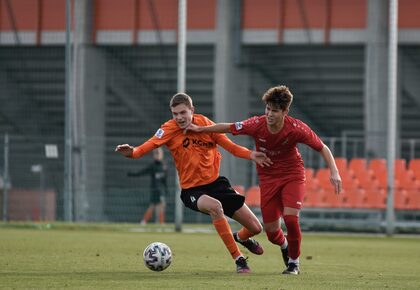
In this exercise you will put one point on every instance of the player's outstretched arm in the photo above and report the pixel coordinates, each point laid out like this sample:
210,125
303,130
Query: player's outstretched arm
239,151
335,175
125,149
216,128
136,152
260,158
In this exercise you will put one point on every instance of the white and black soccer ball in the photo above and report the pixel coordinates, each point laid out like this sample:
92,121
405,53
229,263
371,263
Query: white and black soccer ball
157,256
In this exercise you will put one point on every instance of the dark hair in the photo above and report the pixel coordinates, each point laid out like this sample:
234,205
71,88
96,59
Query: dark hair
279,97
181,98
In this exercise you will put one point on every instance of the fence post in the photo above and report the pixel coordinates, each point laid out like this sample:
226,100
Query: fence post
5,177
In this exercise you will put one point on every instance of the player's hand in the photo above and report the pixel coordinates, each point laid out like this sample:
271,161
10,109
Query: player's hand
260,158
193,128
336,182
125,149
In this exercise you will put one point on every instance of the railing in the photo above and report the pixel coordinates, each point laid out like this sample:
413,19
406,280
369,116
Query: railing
32,174
354,147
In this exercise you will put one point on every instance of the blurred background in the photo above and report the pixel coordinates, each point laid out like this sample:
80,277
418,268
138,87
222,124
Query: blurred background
110,74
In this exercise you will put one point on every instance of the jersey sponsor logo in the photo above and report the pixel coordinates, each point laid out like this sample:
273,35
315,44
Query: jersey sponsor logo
159,133
269,152
239,125
262,140
196,143
186,142
200,143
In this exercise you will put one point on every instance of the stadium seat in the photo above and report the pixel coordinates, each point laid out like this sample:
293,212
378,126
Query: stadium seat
358,165
375,198
330,199
349,181
312,183
407,180
252,196
353,198
341,164
377,165
414,165
400,199
403,177
367,181
313,198
309,173
400,166
239,189
413,200
323,177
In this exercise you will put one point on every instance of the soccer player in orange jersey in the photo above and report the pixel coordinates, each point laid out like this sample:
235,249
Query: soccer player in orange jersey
197,161
283,183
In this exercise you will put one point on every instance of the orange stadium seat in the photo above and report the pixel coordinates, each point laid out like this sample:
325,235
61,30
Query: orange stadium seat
400,199
312,183
375,198
367,181
313,198
252,196
413,199
410,184
353,198
400,166
330,199
358,165
349,181
309,173
414,165
323,177
341,164
377,165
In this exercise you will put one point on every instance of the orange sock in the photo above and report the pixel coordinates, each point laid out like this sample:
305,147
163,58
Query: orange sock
224,231
162,216
148,214
244,234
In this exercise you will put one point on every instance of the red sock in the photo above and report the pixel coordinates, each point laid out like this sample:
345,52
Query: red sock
223,229
277,237
293,235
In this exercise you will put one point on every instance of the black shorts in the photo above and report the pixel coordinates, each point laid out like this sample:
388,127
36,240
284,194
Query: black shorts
157,196
219,189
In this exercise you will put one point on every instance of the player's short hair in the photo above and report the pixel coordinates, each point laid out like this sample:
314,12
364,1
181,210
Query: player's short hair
181,98
279,97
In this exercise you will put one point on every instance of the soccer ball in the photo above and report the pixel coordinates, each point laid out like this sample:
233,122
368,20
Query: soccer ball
157,256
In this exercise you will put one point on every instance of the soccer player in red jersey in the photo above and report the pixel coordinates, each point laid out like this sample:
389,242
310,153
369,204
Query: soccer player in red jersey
283,183
197,161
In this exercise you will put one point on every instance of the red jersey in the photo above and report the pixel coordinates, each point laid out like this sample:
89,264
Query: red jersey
196,157
280,147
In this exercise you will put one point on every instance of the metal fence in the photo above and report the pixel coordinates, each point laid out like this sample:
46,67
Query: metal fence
34,183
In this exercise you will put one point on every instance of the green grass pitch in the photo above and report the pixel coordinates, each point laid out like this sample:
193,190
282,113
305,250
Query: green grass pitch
110,257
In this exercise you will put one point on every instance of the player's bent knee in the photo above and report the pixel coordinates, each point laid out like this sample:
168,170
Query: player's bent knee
213,207
216,209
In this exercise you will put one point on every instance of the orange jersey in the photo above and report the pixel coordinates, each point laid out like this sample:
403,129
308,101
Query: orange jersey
197,159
